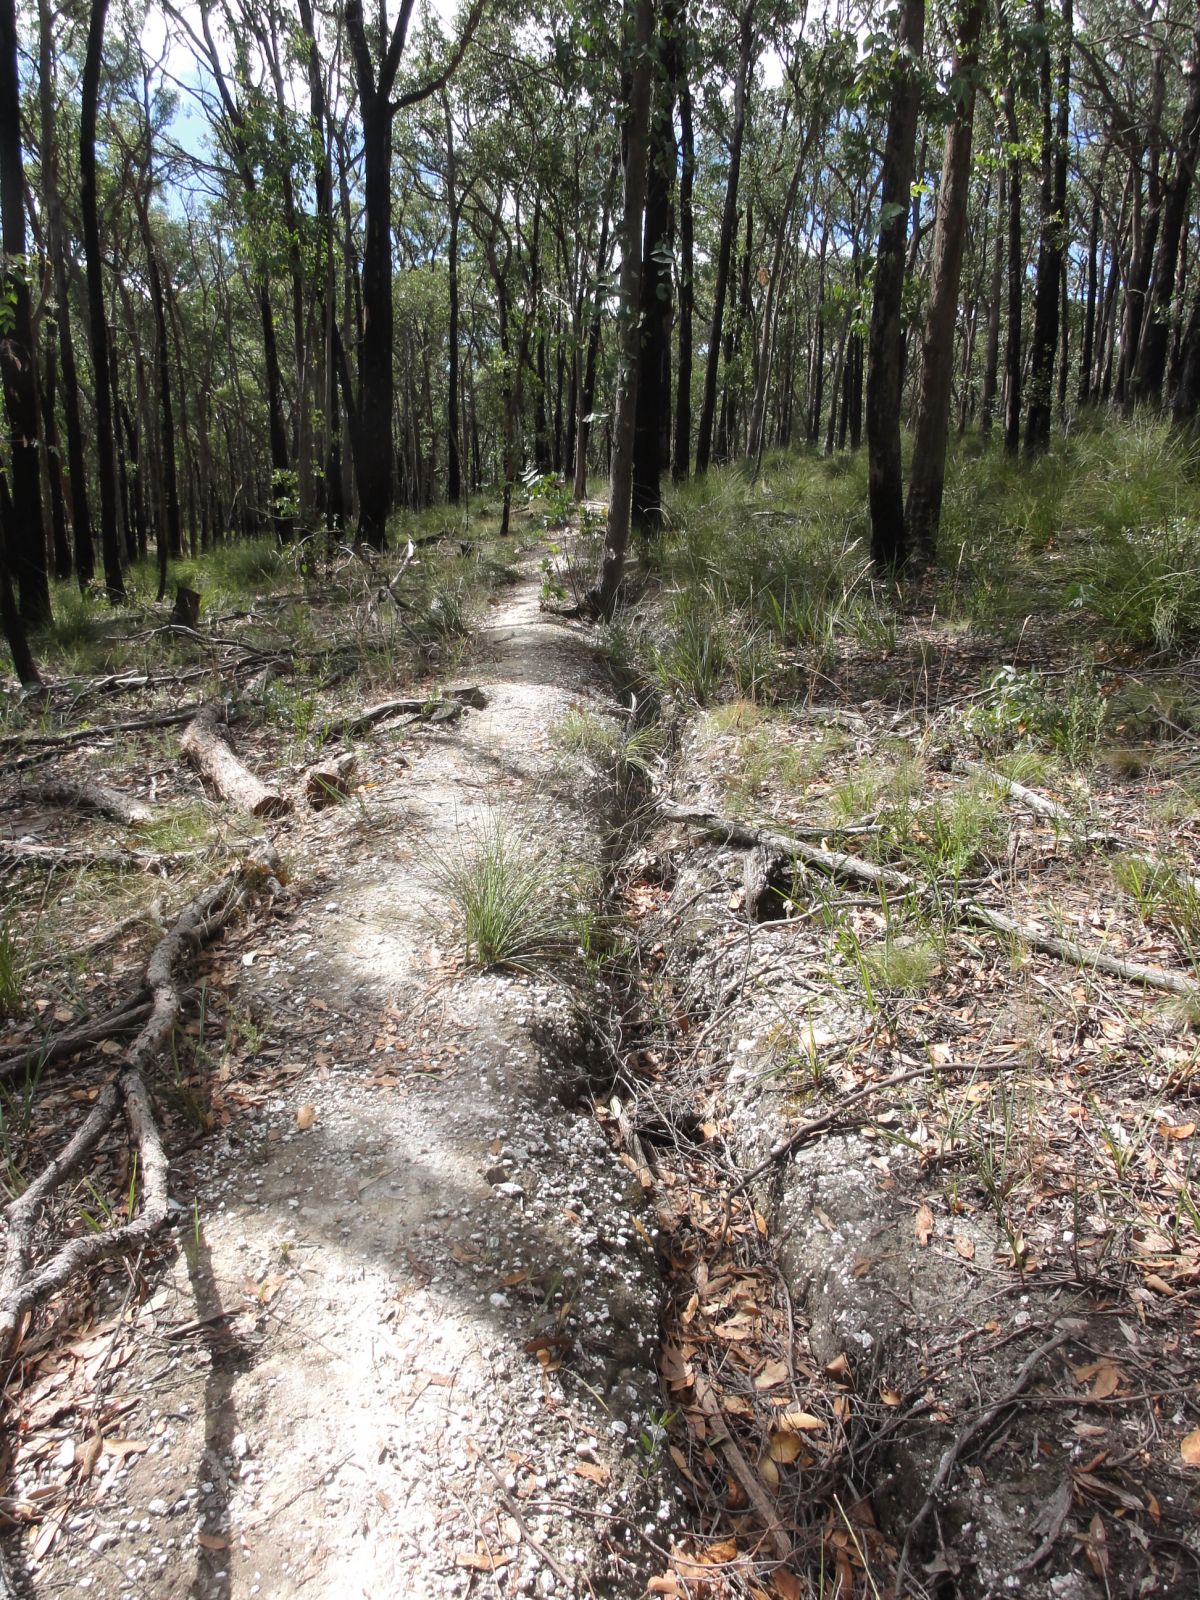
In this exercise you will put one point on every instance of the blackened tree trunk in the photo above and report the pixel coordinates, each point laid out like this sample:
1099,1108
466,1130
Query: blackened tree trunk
729,221
1152,352
639,33
1185,406
26,543
1053,242
114,579
56,244
889,546
10,615
681,454
1016,282
60,544
931,426
654,361
453,441
587,386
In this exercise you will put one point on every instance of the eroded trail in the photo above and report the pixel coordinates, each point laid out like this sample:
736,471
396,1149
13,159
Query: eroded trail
408,1344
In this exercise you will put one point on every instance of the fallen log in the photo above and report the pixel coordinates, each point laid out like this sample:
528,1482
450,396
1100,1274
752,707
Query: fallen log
330,781
838,864
23,1285
214,760
91,795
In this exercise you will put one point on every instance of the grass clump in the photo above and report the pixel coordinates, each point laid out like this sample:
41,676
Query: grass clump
901,966
1144,585
509,903
12,971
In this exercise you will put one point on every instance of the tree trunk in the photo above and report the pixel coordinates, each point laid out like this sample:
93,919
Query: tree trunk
453,443
1016,281
884,376
654,360
587,388
636,133
729,218
681,456
927,475
1087,351
1152,353
26,542
991,360
1052,245
114,578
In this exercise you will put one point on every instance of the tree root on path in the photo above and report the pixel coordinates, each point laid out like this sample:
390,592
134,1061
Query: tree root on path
438,707
23,1284
838,864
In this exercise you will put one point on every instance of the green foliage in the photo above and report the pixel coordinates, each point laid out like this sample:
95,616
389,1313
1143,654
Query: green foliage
1145,585
12,971
1065,714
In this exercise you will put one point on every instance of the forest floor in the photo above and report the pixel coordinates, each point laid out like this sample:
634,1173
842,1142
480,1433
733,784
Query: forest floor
764,1220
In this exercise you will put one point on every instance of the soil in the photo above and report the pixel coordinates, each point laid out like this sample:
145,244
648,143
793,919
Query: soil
407,1344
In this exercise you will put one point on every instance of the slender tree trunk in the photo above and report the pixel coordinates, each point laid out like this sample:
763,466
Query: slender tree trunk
1155,337
587,388
26,541
654,360
639,23
991,360
889,546
1016,281
114,578
453,443
931,426
58,510
681,456
10,615
729,219
1087,349
1052,246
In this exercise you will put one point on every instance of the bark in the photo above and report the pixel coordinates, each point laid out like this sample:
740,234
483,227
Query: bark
1152,354
884,374
587,388
1052,245
931,426
729,219
1087,351
91,795
640,23
207,751
10,615
652,430
991,360
1016,279
681,454
453,441
114,578
26,545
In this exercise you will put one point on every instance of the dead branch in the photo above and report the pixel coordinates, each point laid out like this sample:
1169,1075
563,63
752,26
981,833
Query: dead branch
68,1043
1041,805
837,864
75,736
22,1286
362,720
749,1480
91,795
213,758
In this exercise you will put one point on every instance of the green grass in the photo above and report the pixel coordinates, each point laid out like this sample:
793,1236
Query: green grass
510,902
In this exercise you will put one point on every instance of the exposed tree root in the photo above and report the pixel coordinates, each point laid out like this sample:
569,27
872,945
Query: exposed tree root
837,864
446,700
24,1284
54,855
60,1045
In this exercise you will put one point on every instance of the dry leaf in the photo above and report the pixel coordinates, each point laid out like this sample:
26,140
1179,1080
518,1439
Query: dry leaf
923,1225
965,1246
890,1397
798,1421
785,1446
1108,1381
593,1471
306,1115
1177,1130
212,1541
773,1372
787,1585
1190,1449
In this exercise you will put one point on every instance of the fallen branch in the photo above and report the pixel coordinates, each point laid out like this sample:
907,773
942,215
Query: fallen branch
749,1480
91,795
74,736
448,700
1041,805
980,1426
838,864
68,1043
212,757
22,1286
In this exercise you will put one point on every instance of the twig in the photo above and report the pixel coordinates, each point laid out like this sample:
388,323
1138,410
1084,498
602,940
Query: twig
556,1567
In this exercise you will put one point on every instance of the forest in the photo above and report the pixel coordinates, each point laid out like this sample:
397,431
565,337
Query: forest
600,798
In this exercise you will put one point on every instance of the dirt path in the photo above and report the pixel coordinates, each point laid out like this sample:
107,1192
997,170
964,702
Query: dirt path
409,1349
